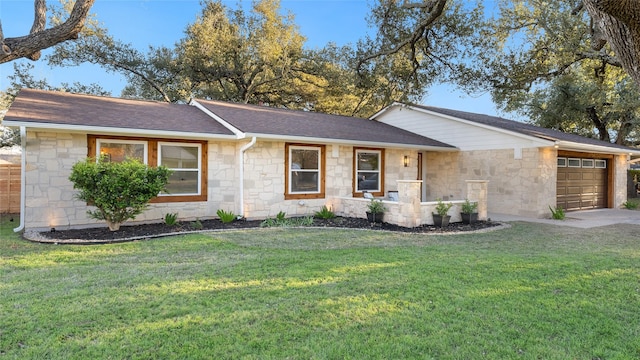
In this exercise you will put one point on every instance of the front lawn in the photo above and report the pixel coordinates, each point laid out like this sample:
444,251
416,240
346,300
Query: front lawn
529,292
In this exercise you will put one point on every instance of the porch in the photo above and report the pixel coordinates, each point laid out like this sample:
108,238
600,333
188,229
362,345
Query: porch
409,211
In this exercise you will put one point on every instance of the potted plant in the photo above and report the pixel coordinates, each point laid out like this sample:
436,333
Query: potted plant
469,212
375,211
441,217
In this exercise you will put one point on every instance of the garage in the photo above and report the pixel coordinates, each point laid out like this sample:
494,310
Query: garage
582,183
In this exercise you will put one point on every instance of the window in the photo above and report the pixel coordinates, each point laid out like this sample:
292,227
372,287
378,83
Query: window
601,164
587,163
184,162
305,171
574,162
562,162
119,150
186,159
369,171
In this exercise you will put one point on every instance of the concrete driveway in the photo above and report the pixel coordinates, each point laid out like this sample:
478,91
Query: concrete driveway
581,219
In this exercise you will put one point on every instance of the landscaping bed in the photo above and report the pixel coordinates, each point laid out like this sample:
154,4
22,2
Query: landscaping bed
133,232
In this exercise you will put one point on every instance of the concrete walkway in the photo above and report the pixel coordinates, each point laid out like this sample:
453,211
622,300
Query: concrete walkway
581,219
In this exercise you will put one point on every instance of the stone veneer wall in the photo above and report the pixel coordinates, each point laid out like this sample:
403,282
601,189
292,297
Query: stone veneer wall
620,163
524,186
50,195
265,172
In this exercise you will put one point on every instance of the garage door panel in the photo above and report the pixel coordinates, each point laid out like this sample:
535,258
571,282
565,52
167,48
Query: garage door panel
581,188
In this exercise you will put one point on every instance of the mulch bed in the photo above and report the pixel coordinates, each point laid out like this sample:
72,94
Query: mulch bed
135,232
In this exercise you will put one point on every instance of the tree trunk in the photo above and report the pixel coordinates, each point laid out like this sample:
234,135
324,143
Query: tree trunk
619,21
113,226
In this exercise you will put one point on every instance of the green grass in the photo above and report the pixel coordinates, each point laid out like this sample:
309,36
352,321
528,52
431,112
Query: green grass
528,292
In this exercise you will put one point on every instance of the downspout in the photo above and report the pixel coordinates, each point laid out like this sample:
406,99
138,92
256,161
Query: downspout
243,149
23,171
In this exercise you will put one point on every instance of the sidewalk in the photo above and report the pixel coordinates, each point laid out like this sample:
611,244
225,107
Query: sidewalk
581,219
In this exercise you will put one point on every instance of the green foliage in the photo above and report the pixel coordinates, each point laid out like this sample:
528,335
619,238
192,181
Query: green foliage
376,206
119,191
325,213
196,225
226,216
630,205
442,209
557,213
469,207
171,219
282,221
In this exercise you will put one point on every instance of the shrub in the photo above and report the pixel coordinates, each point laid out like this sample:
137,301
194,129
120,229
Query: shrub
119,191
376,206
442,209
557,213
469,207
171,219
325,213
197,225
226,216
630,205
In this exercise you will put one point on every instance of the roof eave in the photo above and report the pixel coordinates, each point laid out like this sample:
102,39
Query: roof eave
115,130
574,146
305,139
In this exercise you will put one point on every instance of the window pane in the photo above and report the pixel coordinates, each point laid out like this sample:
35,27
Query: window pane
179,157
117,152
304,181
304,159
368,161
183,182
368,181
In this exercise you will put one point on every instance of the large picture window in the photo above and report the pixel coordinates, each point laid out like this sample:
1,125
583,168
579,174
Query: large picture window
305,171
186,159
369,173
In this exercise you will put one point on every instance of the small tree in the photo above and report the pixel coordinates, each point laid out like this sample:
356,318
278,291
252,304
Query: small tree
119,191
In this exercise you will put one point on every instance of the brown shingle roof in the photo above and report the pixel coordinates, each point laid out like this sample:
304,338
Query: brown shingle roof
522,128
37,106
262,120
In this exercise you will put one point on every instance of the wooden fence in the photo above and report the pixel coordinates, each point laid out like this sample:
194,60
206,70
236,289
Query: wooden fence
9,187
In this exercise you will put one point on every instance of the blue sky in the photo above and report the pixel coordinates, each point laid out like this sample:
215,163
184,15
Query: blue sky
162,22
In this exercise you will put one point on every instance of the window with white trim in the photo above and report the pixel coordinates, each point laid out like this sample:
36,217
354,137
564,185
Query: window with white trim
183,160
117,150
305,171
368,171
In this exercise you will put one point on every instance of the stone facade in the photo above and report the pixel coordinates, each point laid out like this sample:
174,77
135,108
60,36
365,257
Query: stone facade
520,185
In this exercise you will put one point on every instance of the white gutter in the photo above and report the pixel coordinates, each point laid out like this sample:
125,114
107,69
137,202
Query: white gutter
244,148
347,142
239,134
603,149
23,171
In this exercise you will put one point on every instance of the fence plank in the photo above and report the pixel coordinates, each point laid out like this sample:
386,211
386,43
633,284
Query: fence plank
9,188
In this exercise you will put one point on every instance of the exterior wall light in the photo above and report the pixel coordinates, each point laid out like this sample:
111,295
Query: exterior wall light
405,161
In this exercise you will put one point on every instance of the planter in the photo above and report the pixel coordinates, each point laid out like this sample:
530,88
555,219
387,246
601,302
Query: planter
469,218
375,218
441,221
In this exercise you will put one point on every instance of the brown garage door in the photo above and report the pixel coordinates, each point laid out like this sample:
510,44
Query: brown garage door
582,183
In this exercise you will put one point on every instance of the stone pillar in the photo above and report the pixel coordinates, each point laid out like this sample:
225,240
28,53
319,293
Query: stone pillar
409,202
477,191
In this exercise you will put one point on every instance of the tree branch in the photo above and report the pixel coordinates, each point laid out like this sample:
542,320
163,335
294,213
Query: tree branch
28,46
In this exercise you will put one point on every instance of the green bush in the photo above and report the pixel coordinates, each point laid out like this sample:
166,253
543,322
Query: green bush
469,207
119,191
557,213
226,216
171,219
325,213
630,205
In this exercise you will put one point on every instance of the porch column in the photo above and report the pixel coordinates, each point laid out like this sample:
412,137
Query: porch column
409,202
477,191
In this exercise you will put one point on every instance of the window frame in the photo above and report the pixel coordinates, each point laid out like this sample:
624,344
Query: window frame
198,169
152,160
288,193
380,170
